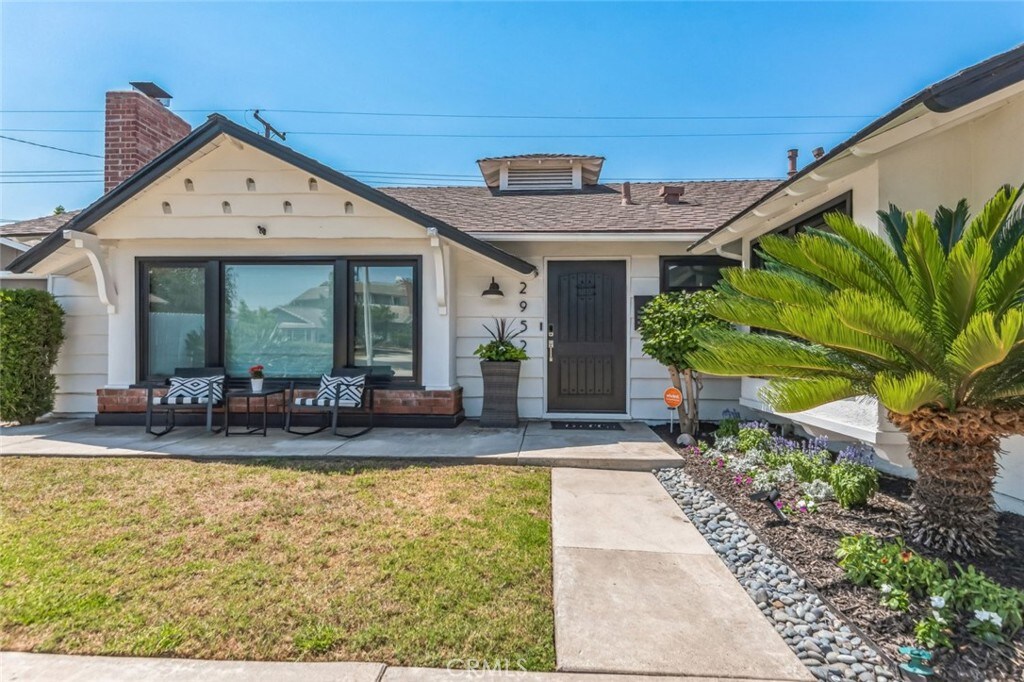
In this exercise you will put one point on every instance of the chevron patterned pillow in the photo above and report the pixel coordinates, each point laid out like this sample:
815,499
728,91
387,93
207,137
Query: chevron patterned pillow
196,388
345,389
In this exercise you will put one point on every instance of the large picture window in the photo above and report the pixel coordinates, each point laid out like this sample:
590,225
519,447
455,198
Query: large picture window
298,318
280,316
814,219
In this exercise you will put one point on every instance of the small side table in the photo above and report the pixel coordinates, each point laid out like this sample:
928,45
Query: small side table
249,394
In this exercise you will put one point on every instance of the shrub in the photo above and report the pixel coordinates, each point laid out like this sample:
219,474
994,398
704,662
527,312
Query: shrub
854,484
667,326
753,436
31,331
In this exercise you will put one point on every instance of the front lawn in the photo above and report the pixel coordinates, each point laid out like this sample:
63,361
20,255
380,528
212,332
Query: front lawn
276,561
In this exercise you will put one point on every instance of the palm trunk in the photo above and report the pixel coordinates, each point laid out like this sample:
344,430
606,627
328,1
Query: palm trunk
955,459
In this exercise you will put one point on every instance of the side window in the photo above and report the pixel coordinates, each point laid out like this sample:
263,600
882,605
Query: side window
814,219
682,273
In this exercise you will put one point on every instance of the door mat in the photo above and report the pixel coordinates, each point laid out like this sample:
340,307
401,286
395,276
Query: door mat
586,426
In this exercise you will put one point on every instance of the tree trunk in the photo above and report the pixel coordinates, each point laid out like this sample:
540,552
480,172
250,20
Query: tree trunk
688,385
955,458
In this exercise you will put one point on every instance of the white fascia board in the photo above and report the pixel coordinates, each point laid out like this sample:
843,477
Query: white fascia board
586,236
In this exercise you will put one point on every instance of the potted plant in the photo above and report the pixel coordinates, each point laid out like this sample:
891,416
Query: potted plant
499,365
256,378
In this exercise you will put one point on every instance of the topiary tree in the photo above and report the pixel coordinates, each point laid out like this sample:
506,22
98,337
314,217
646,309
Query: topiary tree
667,326
31,331
932,325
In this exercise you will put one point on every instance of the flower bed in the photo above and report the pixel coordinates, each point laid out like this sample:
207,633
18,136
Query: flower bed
817,523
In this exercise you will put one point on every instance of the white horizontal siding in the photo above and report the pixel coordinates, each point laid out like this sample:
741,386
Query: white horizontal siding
83,360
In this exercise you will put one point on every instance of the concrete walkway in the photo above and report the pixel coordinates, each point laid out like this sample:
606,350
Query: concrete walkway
639,591
635,448
22,667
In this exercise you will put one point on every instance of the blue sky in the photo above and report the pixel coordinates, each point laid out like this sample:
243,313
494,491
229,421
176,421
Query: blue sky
850,60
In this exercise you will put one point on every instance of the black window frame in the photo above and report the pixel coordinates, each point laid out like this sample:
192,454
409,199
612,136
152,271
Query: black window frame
216,308
815,218
668,261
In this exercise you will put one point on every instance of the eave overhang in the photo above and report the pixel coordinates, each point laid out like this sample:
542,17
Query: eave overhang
926,111
217,125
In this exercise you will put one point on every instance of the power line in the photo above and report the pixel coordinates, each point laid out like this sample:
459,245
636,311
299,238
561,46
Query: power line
46,182
317,112
46,146
51,130
567,137
520,117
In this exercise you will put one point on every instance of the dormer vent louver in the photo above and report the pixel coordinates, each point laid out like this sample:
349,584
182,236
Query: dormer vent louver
540,178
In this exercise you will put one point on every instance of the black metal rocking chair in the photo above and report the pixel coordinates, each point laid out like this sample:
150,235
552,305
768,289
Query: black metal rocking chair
189,398
331,400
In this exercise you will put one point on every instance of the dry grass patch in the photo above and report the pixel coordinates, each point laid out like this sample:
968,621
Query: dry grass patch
276,561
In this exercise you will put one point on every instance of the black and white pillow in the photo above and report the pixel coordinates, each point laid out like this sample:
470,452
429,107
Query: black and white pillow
347,390
194,390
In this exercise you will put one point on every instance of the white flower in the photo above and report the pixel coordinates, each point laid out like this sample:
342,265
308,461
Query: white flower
983,616
938,617
996,619
938,602
886,588
810,504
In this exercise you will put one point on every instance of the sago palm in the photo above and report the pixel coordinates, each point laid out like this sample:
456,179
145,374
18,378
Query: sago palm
932,325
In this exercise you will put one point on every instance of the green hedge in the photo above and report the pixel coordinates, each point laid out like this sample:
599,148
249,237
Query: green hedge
31,331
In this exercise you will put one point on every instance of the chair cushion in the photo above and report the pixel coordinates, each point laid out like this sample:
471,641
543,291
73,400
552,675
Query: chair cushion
324,402
179,400
197,389
345,389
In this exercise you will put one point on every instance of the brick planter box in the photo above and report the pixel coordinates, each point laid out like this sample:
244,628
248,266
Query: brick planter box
392,407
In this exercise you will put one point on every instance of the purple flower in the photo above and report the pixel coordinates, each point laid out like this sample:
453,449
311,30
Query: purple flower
858,453
779,504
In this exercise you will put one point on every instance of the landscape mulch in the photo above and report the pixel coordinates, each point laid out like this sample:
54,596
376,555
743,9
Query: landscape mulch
809,542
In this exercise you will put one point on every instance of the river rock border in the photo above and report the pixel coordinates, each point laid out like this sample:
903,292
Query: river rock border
829,648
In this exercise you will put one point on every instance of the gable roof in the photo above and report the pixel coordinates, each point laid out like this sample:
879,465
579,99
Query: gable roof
37,227
217,125
596,208
964,87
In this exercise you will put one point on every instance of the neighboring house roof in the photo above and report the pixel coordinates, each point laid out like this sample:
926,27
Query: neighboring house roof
217,125
949,94
37,227
598,208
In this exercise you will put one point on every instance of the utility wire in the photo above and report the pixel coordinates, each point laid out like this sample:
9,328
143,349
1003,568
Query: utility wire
46,146
46,182
520,117
562,137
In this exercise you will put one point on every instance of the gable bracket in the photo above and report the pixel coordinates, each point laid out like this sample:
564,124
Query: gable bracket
440,275
90,244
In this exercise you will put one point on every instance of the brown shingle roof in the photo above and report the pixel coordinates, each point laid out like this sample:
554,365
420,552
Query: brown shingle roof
38,227
598,208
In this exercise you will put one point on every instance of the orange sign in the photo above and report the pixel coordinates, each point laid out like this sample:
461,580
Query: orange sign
673,397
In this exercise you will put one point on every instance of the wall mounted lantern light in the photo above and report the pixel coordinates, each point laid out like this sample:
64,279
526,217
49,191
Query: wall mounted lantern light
493,290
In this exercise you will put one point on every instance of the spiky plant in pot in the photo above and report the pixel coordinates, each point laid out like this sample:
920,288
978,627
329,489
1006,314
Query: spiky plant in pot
932,325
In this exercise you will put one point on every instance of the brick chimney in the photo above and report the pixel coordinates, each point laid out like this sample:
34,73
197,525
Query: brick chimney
139,126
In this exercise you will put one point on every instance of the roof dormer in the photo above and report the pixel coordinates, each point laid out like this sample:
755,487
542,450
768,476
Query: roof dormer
540,172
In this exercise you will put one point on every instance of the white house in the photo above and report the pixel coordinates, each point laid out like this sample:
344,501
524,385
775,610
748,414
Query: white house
228,249
959,138
217,247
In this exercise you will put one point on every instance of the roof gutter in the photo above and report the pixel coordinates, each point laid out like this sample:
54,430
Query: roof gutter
964,87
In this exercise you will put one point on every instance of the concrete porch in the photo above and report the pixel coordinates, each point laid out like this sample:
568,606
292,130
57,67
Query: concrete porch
536,443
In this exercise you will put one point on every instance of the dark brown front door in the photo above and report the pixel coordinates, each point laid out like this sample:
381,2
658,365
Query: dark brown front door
587,336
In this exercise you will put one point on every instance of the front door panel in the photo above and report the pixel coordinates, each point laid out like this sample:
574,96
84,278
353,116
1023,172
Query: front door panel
586,336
